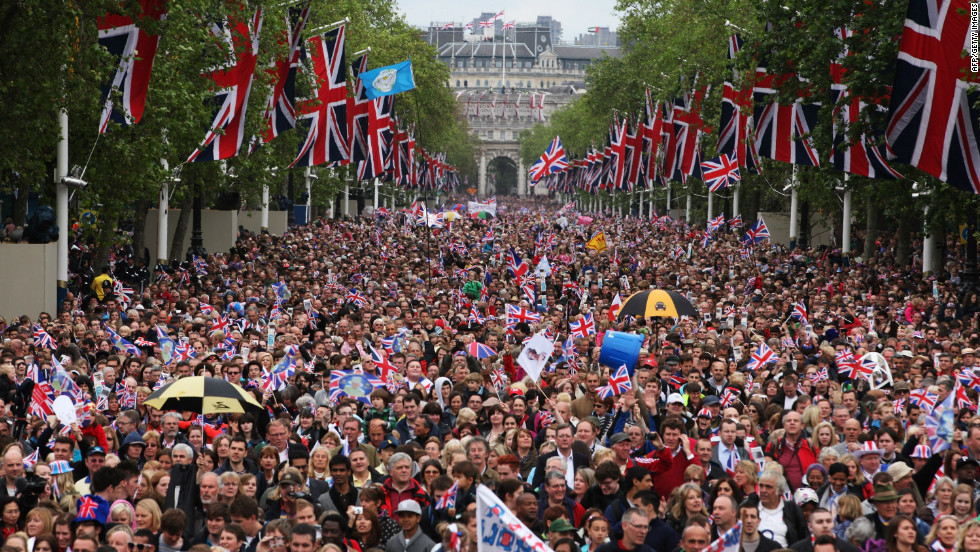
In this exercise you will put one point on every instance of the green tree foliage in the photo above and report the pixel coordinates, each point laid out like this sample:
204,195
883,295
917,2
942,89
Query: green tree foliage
50,59
673,46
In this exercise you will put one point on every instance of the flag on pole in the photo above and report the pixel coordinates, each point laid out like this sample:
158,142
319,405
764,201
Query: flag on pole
385,81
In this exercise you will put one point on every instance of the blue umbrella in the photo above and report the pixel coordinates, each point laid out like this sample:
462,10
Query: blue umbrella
479,350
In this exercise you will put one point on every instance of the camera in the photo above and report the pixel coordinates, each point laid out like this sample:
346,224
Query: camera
296,495
358,510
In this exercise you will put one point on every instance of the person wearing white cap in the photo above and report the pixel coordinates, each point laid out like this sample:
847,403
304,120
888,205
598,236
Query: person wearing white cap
411,538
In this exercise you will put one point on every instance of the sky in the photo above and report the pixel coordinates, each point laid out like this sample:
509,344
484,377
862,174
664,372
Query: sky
576,16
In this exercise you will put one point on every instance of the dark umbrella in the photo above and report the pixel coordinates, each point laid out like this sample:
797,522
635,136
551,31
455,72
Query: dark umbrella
204,395
654,303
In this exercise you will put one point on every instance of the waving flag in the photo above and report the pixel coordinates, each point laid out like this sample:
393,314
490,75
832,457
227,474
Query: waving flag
347,383
516,264
356,297
43,339
42,398
448,500
134,49
388,80
121,344
731,541
968,377
923,399
716,223
760,357
552,161
736,221
584,327
517,314
757,233
799,312
383,365
720,172
233,84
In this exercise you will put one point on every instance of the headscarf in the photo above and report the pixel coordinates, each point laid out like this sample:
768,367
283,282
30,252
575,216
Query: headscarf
438,389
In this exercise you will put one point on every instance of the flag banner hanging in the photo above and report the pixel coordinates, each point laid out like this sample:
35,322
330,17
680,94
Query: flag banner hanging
498,529
598,242
385,81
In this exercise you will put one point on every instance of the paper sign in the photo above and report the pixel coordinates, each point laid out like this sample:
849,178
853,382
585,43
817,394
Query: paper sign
64,409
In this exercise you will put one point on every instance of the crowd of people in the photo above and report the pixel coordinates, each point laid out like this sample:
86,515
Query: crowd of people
760,412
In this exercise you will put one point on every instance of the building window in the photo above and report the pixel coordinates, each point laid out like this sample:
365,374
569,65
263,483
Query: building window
477,63
464,84
541,84
457,83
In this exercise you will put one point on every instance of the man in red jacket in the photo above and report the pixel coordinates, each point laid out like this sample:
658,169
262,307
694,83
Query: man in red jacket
793,452
680,447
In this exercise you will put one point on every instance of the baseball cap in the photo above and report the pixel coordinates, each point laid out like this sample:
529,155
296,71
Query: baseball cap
618,438
675,398
95,450
409,506
387,443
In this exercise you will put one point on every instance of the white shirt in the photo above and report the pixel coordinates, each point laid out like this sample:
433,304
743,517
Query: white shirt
569,469
772,525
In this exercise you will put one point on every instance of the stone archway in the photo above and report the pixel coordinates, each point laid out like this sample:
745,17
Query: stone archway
501,170
502,176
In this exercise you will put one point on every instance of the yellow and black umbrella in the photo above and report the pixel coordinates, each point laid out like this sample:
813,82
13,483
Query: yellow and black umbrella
204,395
657,302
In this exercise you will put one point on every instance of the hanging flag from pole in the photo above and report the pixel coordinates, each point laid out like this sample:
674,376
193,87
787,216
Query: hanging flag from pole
135,48
385,81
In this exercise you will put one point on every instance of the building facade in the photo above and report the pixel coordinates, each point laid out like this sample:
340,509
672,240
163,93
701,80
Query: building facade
508,80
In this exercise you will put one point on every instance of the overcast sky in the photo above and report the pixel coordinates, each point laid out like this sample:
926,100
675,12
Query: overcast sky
576,16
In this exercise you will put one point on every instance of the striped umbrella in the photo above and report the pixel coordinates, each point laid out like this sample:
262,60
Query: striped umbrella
204,395
479,350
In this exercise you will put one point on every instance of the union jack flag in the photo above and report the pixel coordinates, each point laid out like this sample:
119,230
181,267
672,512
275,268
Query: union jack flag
757,233
42,398
736,221
970,378
730,541
280,110
783,132
448,500
510,25
87,507
516,264
720,172
962,401
135,49
853,153
127,400
923,398
233,83
381,363
716,222
518,314
728,397
325,114
486,24
31,459
221,324
821,375
553,160
934,120
121,344
43,339
799,311
760,357
498,379
584,327
354,296
618,384
530,291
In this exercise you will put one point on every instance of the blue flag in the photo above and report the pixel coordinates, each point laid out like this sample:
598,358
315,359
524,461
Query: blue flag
385,81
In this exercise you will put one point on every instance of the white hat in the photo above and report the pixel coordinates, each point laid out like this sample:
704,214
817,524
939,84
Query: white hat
675,398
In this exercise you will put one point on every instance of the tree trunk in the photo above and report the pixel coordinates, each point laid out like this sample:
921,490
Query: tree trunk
181,230
139,230
20,203
106,241
872,230
903,240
